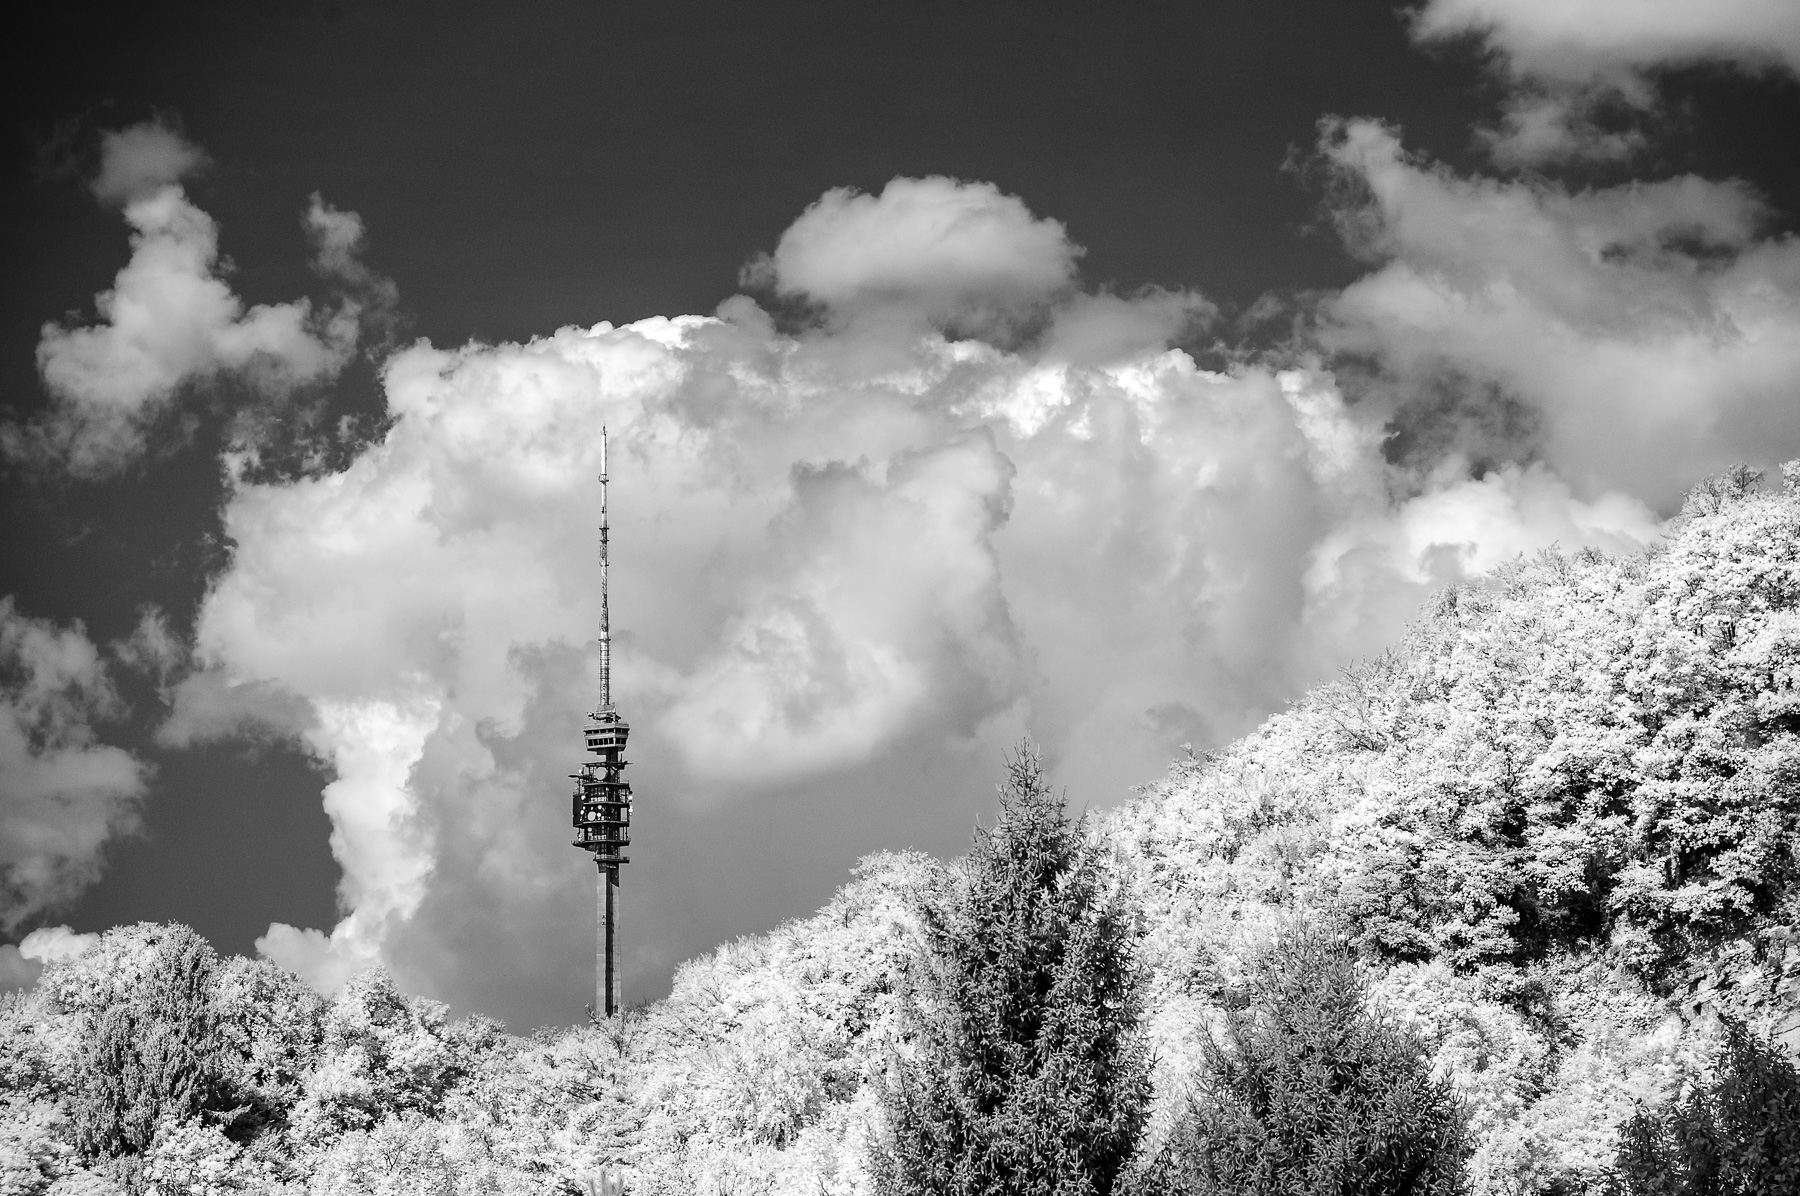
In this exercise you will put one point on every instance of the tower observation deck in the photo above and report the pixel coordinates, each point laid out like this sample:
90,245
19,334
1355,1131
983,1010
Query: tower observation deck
602,800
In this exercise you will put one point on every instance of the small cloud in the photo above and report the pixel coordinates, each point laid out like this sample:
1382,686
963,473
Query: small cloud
152,649
326,962
137,162
1566,60
170,323
55,944
337,237
1579,43
949,252
21,966
66,796
1542,128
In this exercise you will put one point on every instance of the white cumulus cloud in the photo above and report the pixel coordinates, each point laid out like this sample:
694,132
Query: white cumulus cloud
1577,40
20,966
55,944
139,161
952,252
1452,533
170,321
851,567
1649,332
1570,57
63,795
881,595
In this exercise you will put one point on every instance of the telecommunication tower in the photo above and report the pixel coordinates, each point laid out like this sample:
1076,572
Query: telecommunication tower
602,806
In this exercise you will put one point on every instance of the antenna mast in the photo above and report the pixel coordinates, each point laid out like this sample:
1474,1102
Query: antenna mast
605,611
602,803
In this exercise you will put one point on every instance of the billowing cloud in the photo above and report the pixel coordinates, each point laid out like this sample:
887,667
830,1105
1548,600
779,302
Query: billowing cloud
171,322
880,597
950,252
851,567
1452,533
1572,59
62,794
1640,335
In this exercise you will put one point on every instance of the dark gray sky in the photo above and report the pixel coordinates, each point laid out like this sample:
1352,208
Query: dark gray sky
527,166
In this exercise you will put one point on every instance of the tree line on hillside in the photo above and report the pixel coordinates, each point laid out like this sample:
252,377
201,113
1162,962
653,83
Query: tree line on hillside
1029,1078
1023,1070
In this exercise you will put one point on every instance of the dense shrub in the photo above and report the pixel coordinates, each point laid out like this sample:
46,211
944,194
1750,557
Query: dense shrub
1029,1074
1310,1094
1739,1136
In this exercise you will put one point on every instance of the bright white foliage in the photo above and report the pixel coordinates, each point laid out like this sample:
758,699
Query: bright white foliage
34,1148
190,1158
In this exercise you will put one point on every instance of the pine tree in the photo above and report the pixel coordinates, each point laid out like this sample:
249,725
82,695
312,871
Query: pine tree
1029,1075
152,1055
1310,1095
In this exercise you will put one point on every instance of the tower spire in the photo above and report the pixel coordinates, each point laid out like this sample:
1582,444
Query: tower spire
602,803
605,611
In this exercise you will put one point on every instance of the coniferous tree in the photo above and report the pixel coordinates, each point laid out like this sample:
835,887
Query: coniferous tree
1029,1074
1740,1136
153,1054
1311,1095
